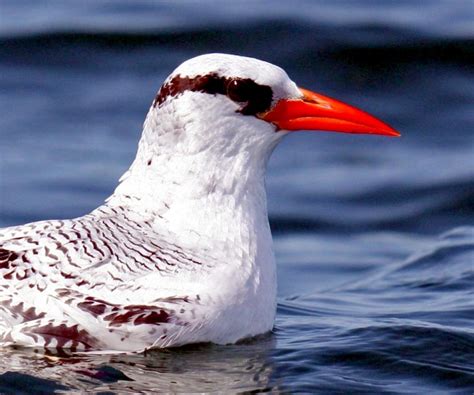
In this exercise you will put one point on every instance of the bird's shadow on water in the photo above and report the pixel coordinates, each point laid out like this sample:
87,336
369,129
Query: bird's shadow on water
246,366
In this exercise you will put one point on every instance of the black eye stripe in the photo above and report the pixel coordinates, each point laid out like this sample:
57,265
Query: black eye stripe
256,98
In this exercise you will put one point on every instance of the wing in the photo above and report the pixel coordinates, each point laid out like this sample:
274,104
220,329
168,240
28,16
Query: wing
99,281
107,246
80,322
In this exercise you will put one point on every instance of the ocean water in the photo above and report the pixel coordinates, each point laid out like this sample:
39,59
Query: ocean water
374,237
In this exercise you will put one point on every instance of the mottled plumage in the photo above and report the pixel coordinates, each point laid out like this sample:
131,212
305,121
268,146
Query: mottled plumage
81,284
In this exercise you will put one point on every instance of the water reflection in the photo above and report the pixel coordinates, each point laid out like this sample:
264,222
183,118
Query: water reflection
247,366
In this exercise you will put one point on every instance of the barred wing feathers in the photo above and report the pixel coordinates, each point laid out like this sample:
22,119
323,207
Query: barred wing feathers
91,282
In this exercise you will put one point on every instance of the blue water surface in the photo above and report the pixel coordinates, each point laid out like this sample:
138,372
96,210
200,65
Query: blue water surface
374,237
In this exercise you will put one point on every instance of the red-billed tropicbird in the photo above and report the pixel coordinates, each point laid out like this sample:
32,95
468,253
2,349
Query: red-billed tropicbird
182,251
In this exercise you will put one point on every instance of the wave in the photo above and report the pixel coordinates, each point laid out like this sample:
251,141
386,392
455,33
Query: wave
425,208
357,43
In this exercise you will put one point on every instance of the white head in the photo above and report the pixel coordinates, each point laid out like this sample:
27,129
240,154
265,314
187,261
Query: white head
217,118
211,106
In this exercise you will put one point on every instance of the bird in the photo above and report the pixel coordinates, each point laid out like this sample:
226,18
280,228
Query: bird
181,252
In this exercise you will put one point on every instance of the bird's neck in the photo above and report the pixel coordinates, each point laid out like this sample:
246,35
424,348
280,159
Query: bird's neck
202,190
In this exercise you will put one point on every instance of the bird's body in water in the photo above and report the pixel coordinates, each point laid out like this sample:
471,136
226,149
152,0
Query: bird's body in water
182,251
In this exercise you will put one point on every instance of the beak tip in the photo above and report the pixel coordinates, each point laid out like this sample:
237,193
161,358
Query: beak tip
393,133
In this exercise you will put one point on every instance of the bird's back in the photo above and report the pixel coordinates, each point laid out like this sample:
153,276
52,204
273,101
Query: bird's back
102,281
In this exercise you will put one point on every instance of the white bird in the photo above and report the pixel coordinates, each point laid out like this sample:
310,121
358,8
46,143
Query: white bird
182,251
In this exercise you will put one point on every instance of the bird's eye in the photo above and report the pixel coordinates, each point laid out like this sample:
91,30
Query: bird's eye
257,98
240,90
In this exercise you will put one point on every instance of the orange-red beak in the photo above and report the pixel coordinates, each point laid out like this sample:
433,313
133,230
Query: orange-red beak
317,112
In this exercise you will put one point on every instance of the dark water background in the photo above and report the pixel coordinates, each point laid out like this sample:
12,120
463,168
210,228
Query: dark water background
374,237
